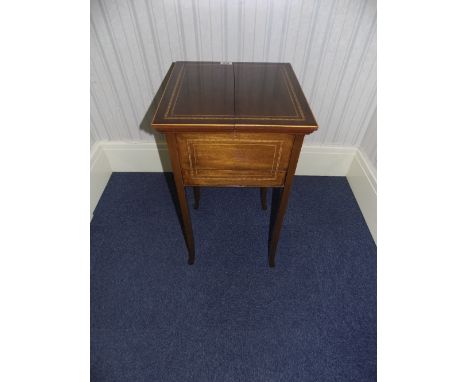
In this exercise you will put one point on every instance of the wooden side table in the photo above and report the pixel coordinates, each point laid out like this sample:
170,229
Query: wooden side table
233,124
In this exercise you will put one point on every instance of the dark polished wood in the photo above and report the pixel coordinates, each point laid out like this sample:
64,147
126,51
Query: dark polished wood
263,196
233,124
197,93
268,94
196,194
283,203
209,96
187,225
234,159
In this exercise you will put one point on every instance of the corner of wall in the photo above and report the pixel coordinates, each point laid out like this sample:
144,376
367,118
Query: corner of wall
363,182
100,174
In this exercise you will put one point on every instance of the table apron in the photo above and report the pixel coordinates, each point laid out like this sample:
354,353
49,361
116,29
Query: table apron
234,159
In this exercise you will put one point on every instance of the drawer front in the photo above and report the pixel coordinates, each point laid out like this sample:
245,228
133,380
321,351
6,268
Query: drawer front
243,159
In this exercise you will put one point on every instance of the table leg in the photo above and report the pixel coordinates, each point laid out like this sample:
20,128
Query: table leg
283,202
184,209
263,195
196,194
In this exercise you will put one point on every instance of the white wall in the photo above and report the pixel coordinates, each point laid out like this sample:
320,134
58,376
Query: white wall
92,137
368,145
330,43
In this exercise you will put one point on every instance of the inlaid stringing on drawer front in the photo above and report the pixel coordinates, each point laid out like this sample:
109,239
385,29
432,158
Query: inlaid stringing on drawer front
234,158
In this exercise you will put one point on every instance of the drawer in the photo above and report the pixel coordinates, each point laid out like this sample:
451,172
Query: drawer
234,159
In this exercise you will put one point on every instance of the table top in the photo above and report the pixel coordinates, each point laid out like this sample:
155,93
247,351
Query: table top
226,96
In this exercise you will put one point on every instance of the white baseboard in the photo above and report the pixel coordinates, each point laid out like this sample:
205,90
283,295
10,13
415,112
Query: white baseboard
363,181
325,160
100,174
137,156
147,157
314,160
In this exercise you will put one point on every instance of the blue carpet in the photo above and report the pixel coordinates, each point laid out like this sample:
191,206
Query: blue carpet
230,317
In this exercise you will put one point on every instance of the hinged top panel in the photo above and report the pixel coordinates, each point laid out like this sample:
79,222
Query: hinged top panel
196,93
227,96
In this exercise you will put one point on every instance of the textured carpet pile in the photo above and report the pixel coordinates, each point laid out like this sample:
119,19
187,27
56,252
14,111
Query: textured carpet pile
230,317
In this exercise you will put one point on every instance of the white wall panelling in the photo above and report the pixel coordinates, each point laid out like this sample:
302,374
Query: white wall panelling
330,43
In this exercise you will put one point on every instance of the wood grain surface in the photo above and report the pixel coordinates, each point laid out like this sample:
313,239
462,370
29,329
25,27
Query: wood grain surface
237,159
208,96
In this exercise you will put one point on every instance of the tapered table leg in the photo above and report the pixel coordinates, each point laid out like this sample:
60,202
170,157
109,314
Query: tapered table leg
187,225
196,194
283,202
263,195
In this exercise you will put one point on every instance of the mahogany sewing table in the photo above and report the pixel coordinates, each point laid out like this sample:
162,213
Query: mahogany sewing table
233,124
